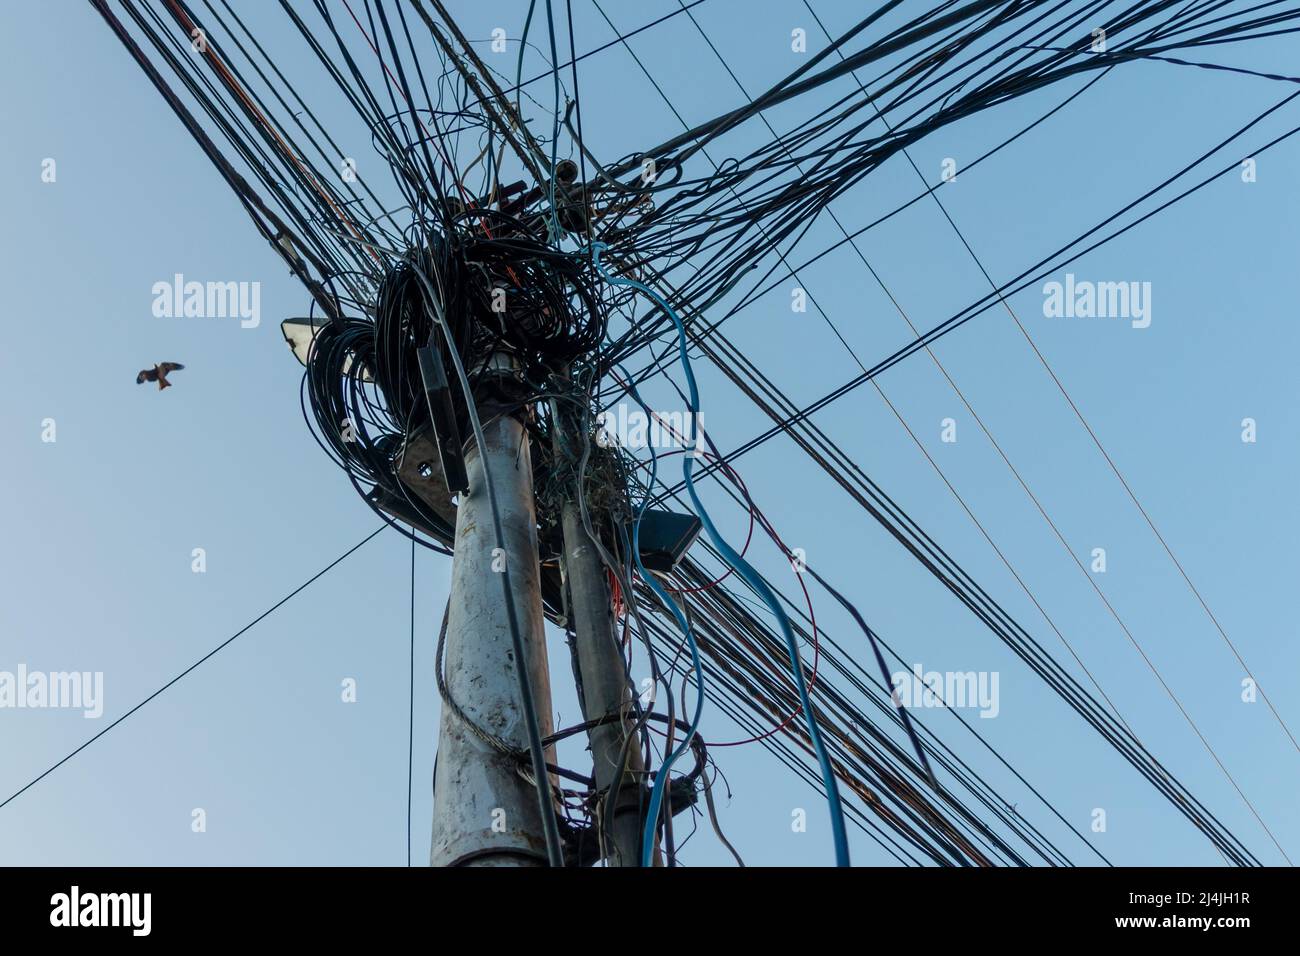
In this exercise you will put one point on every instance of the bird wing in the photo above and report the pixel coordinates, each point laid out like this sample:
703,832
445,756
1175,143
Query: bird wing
170,366
146,375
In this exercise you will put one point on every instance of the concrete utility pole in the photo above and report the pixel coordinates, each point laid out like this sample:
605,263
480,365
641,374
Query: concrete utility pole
605,691
484,812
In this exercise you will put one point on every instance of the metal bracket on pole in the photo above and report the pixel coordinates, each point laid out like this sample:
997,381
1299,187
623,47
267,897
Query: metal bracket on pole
442,417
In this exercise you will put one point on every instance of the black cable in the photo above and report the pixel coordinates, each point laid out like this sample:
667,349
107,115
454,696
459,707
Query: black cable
410,725
210,654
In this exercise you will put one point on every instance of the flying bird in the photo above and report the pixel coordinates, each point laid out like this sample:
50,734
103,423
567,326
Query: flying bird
158,374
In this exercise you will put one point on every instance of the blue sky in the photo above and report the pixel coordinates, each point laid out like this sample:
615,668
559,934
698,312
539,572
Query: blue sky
101,523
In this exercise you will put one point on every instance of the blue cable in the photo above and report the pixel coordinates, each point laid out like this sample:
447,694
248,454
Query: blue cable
747,572
661,778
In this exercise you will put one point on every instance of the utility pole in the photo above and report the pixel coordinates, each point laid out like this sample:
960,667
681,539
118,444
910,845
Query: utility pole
617,760
615,751
484,812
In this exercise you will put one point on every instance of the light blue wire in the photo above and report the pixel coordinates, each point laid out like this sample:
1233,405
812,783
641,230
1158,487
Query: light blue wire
661,778
746,571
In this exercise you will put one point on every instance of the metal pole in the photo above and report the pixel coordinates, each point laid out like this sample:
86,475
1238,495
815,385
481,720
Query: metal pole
484,812
617,760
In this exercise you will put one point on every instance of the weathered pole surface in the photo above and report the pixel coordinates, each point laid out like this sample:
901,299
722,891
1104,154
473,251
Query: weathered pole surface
606,693
616,760
484,812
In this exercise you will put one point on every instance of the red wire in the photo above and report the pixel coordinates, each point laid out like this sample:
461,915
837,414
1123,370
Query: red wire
812,615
